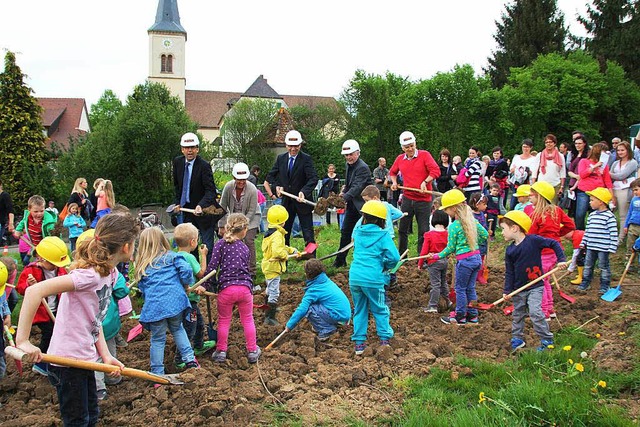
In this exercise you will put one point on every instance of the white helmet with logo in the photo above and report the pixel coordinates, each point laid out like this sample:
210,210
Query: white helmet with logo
293,137
350,146
240,171
189,139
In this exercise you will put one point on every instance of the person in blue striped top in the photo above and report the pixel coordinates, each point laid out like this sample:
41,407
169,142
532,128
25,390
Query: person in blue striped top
600,239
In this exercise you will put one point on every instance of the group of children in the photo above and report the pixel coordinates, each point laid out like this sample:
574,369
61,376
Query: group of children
80,300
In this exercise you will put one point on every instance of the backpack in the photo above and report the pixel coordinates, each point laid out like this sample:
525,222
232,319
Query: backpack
462,180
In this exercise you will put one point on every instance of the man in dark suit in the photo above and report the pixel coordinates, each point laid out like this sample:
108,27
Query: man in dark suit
194,188
357,177
294,173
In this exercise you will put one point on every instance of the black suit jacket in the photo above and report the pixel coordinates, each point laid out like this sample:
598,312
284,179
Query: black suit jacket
357,176
303,178
202,188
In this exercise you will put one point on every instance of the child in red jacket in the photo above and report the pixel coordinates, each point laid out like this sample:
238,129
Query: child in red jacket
52,257
434,242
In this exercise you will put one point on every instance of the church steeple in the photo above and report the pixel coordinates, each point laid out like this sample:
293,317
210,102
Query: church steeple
167,39
168,18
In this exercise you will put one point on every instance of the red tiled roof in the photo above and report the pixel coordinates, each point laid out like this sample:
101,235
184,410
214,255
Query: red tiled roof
207,107
67,112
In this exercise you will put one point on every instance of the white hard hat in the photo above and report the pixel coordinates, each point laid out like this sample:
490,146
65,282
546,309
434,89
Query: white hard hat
350,146
293,138
189,139
240,171
407,138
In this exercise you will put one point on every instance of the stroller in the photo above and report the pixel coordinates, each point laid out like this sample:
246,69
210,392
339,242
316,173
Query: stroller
149,217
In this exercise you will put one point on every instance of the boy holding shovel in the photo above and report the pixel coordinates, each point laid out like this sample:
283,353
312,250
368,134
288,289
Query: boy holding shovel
523,263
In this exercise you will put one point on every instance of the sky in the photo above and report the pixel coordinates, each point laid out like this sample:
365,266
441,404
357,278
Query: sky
80,48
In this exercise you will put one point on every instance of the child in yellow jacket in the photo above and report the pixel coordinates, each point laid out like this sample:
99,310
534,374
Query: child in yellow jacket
274,258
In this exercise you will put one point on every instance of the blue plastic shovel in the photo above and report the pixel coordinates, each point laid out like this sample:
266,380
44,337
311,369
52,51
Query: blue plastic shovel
614,293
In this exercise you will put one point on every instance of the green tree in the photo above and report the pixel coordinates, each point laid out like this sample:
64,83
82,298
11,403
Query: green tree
134,149
21,132
613,28
105,110
244,130
527,29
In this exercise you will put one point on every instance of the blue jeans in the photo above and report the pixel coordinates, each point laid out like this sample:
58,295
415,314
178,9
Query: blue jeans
159,339
367,300
319,317
76,389
589,264
582,207
467,270
194,325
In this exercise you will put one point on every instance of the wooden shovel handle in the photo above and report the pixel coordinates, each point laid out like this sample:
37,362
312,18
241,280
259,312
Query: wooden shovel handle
275,340
201,281
417,190
531,283
626,268
308,202
49,312
18,354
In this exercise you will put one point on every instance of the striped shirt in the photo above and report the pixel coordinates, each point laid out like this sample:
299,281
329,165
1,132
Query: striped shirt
35,230
474,170
601,233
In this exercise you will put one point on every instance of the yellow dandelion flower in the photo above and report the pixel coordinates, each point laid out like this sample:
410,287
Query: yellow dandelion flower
621,333
579,367
482,398
566,348
551,346
570,361
598,335
602,384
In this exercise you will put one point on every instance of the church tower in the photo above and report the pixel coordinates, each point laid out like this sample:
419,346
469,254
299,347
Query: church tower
167,41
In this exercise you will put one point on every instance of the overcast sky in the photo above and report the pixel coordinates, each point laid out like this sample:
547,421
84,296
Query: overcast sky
79,48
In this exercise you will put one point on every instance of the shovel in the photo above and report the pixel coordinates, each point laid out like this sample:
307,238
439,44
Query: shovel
18,354
564,296
201,281
211,333
134,332
319,208
417,190
614,293
482,306
402,261
308,250
338,252
271,344
485,265
12,344
452,291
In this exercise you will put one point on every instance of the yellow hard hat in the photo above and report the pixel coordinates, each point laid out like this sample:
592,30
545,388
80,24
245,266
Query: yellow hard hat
601,194
4,274
520,218
54,250
375,208
523,191
88,234
544,189
277,214
452,198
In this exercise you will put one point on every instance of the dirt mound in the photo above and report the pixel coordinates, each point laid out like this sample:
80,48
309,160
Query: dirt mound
302,378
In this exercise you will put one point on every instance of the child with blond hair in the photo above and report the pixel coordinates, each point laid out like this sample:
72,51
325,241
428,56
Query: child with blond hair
75,223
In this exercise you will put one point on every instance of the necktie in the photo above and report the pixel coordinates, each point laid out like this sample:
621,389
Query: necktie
291,160
186,181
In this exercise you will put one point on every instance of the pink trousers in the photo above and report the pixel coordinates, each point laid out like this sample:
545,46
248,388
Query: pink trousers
548,261
227,298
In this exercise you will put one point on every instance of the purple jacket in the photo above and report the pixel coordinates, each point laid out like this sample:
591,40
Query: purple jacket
231,260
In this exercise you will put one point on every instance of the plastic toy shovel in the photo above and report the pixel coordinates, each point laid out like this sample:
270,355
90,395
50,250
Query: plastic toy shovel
18,354
308,250
134,332
402,261
7,332
614,293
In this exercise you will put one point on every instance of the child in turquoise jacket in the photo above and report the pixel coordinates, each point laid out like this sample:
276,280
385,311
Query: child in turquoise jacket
323,304
374,253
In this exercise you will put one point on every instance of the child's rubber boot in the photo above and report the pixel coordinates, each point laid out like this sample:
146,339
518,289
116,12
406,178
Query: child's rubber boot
270,316
578,279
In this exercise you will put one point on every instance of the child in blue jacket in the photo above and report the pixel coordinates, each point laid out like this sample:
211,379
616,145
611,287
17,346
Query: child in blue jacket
373,254
323,304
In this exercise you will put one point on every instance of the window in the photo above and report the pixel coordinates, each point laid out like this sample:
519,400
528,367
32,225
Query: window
166,64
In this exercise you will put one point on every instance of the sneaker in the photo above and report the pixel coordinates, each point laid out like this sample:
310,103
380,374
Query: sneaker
472,319
179,364
552,315
253,356
452,319
41,368
102,394
602,291
219,356
206,346
326,336
429,309
193,364
544,344
256,288
584,288
120,341
384,343
360,348
517,344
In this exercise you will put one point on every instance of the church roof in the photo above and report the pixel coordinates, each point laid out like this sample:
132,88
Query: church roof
261,89
168,18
